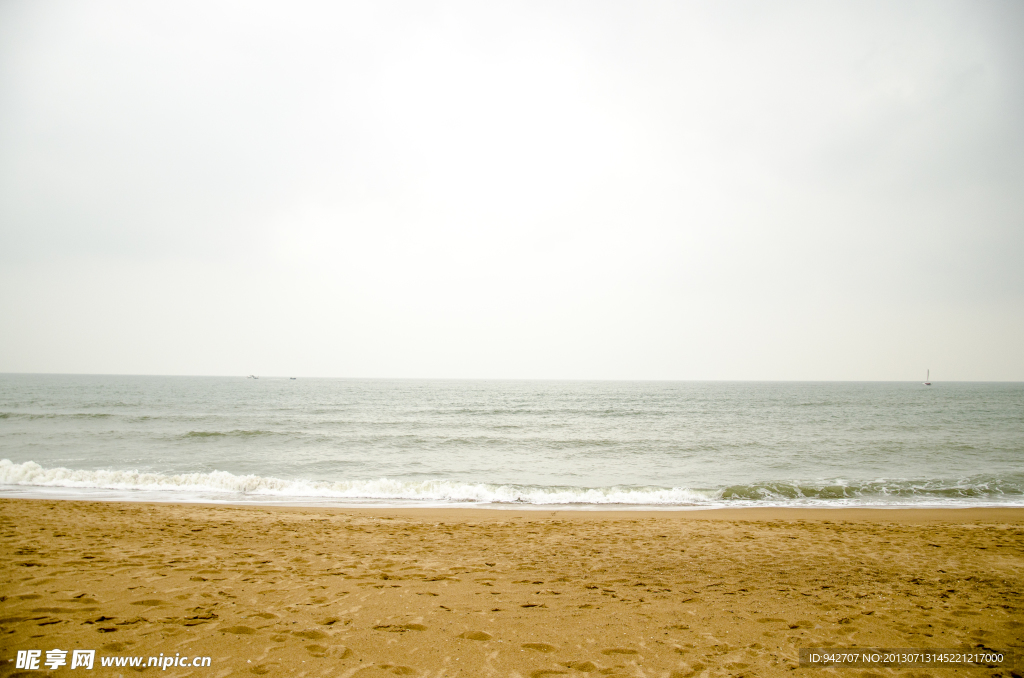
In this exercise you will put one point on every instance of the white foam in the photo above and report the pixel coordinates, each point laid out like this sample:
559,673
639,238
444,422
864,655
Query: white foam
33,475
228,487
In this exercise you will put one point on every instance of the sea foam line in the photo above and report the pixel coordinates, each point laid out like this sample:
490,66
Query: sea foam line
976,490
32,474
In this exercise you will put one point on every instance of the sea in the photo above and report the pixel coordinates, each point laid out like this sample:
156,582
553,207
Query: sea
511,444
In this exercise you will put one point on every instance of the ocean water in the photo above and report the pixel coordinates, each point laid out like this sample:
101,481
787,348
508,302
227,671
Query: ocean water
511,443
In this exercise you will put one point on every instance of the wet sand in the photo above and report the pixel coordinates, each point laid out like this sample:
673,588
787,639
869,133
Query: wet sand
450,592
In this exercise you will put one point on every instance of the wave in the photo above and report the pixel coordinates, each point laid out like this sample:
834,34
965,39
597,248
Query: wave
975,487
225,434
56,415
32,474
228,486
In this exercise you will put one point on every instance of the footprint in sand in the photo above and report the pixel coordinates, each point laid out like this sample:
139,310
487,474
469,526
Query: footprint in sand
687,672
582,667
149,602
380,669
618,650
540,673
475,635
240,630
539,647
310,635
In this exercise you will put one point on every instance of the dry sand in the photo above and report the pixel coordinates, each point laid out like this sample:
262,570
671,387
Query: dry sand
335,592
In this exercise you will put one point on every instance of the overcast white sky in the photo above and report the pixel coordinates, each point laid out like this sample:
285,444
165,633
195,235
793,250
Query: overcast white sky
596,190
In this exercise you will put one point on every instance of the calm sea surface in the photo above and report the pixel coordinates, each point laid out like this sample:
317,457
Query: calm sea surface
511,443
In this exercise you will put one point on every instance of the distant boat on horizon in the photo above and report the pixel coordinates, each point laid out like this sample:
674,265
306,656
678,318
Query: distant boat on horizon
928,378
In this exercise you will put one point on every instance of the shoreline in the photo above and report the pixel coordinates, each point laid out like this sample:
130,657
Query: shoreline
375,593
650,510
903,514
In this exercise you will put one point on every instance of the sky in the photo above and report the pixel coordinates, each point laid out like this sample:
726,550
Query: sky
535,190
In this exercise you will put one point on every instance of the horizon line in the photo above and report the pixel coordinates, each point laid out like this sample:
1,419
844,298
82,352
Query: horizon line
535,379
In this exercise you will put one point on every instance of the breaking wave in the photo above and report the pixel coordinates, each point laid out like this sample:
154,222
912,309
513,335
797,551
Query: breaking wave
225,486
984,487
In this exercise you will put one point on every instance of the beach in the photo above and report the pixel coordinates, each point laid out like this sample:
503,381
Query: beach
511,340
444,592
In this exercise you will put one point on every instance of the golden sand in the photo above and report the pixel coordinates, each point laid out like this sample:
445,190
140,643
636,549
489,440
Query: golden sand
337,592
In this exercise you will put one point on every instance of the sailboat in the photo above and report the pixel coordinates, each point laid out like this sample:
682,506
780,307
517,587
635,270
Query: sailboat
928,378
